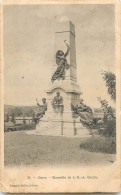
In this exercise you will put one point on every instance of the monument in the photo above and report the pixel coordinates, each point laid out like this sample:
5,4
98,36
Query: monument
64,91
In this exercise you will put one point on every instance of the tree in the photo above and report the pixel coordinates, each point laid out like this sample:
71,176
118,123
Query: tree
109,112
13,118
6,118
24,121
110,81
18,111
33,117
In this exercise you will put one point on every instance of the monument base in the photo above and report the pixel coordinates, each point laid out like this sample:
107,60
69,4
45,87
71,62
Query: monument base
59,127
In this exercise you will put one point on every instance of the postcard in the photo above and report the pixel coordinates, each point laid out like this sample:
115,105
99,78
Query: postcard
60,102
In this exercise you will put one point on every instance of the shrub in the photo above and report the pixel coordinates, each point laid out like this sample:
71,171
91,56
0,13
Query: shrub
99,144
110,81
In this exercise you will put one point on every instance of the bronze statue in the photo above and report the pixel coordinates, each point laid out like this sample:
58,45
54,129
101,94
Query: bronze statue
43,107
41,110
62,64
84,112
58,100
57,103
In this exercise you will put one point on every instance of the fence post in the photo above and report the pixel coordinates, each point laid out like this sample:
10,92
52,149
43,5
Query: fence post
74,124
62,122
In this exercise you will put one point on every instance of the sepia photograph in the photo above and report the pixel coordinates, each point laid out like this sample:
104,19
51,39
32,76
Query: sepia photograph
59,87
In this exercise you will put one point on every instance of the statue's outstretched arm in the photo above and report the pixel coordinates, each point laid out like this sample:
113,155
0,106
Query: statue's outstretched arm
68,49
38,103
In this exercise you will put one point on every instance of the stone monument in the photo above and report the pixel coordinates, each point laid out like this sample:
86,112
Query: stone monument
64,90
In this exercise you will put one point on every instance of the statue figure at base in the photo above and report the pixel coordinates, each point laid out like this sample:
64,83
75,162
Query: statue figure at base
85,113
41,110
57,103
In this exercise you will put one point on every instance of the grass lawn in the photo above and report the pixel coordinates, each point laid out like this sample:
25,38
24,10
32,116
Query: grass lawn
99,144
22,149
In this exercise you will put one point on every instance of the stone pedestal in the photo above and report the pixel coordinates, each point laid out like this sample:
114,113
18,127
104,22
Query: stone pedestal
68,88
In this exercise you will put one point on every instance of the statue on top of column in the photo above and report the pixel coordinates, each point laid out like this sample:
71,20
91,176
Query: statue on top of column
62,64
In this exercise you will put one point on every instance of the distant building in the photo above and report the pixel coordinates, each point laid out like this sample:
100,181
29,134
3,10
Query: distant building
19,120
23,120
29,120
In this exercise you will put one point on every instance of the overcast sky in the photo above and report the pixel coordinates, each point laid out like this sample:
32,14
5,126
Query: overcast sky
29,32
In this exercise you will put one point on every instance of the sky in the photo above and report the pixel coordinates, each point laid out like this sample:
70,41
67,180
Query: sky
29,38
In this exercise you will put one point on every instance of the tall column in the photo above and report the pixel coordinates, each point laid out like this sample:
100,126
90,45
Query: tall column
66,31
68,86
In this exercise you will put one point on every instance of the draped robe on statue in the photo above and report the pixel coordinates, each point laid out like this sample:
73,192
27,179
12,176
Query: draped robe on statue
84,112
62,64
60,72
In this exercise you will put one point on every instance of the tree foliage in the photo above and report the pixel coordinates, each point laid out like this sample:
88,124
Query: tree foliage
20,110
13,118
109,118
110,81
108,110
